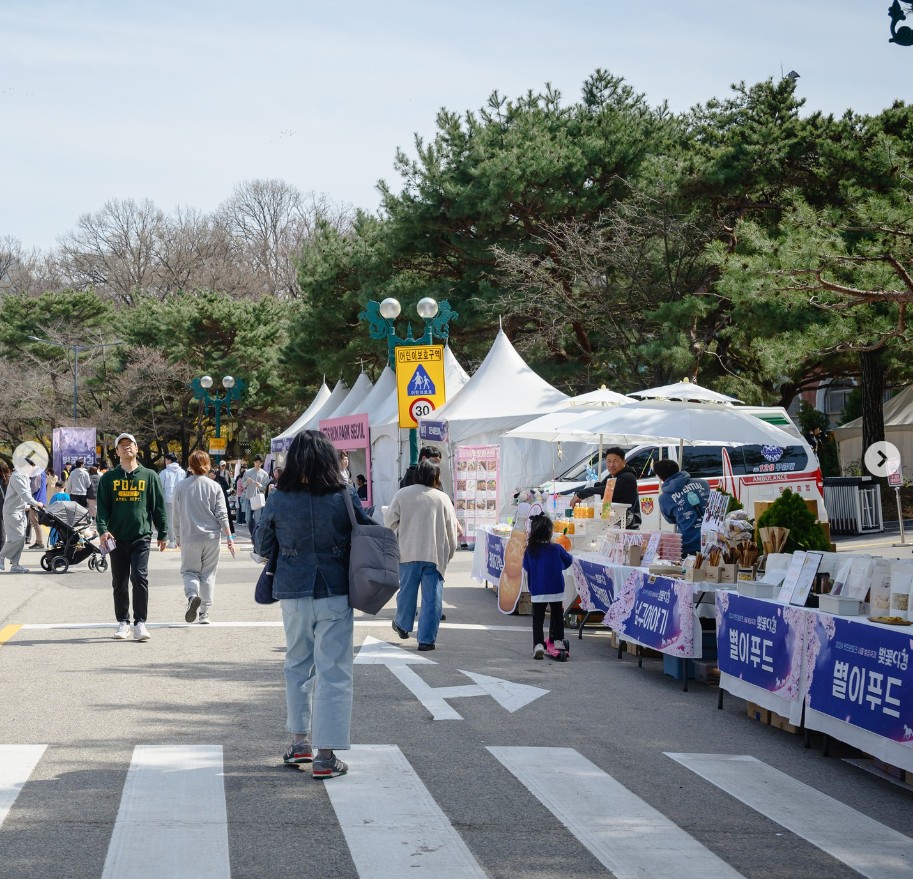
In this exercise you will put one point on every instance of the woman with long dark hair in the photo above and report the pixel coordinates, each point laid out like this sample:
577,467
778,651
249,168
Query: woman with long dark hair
306,520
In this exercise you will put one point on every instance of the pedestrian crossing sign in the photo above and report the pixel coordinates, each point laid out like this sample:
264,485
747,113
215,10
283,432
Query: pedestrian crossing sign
419,381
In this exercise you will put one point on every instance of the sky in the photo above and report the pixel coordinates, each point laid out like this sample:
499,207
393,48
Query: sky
179,102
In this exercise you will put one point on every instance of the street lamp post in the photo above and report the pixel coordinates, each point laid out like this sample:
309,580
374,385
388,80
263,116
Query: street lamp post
234,387
381,317
76,350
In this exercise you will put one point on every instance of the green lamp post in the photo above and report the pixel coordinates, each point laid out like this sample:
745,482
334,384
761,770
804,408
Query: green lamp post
381,318
234,387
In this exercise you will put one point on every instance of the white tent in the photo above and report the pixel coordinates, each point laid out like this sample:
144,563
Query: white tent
684,392
331,405
551,426
350,405
284,440
504,393
898,429
390,444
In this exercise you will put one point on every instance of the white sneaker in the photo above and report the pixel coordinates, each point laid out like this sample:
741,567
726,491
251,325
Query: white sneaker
171,545
18,569
140,633
204,619
538,651
123,631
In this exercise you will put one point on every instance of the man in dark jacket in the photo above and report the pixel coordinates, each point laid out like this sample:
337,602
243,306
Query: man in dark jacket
429,453
625,491
682,501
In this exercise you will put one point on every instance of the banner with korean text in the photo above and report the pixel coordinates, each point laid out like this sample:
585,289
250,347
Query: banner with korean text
860,674
761,642
350,434
72,444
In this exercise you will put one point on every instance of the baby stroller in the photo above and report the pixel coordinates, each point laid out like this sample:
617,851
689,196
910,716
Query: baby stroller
74,532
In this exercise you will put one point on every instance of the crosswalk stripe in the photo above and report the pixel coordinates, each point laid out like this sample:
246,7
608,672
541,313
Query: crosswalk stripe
860,842
626,834
17,762
172,821
392,824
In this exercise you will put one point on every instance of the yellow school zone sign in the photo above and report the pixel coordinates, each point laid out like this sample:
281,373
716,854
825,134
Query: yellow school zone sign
419,382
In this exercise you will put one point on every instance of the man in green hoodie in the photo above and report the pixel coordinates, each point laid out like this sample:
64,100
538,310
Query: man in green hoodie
130,502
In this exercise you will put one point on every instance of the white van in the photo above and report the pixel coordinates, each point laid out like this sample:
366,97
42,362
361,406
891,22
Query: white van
750,472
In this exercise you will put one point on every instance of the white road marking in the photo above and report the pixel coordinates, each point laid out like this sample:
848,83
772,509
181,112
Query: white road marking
627,835
172,821
860,842
391,822
374,652
267,624
17,762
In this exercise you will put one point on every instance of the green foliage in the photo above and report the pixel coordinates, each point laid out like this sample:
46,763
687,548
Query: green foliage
790,511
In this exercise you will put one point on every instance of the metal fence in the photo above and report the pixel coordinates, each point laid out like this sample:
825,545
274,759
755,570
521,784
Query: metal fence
853,504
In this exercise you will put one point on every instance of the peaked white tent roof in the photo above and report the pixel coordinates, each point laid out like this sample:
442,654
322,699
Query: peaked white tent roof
502,393
281,442
358,392
330,406
898,429
551,426
384,388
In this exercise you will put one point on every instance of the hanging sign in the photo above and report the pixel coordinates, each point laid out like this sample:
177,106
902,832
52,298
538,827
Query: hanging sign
419,382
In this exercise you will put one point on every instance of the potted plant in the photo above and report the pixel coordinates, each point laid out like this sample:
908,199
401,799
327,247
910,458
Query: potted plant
790,511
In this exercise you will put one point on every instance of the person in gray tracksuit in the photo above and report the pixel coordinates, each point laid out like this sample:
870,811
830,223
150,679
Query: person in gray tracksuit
200,519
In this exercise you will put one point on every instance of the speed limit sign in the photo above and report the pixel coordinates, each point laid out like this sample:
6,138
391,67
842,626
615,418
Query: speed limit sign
420,407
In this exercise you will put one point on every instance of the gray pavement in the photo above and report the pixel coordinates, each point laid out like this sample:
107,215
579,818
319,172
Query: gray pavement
92,700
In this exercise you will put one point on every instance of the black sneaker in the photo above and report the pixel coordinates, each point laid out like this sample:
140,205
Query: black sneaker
330,767
401,632
424,647
192,604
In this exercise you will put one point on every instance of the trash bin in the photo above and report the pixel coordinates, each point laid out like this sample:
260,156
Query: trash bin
853,504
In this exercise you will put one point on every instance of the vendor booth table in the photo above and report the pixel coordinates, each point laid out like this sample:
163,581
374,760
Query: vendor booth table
853,677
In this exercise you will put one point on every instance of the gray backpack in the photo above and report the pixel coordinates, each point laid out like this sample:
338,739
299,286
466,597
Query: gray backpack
373,564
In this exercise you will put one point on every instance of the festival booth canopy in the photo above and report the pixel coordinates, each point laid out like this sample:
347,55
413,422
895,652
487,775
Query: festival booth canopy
329,407
898,429
684,392
350,405
675,423
503,393
284,440
549,427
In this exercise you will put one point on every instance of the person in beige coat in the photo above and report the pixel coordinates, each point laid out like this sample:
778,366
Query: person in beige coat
424,521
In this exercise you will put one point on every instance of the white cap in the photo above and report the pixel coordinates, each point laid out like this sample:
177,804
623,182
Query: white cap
128,436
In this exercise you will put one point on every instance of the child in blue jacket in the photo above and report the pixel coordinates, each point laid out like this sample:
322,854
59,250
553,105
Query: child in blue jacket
544,563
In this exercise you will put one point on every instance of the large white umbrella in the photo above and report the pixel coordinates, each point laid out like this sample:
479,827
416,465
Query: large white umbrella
554,426
668,422
685,392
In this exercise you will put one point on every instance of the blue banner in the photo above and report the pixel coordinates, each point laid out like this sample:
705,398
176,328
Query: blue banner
436,431
494,555
861,674
657,612
761,642
594,585
72,444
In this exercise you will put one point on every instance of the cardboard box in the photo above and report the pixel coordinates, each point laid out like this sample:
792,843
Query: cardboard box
783,723
756,712
706,671
524,605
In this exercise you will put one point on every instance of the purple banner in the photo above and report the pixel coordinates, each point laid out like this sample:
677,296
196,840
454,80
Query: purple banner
72,444
436,431
494,555
861,674
594,585
761,643
657,612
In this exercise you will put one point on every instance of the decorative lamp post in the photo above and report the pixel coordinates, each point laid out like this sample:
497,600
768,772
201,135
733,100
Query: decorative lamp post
75,349
381,318
233,390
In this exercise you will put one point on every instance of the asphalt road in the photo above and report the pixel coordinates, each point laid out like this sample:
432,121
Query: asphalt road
430,791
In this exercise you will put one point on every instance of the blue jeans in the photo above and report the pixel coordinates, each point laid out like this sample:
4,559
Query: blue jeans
411,575
318,669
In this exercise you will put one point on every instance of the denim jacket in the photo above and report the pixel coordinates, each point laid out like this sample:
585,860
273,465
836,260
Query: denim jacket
314,537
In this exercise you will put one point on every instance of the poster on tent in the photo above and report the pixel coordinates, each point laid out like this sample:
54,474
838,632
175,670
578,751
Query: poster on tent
475,487
73,444
350,434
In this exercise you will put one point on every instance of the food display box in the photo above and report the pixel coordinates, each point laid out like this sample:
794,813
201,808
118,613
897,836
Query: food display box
839,605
